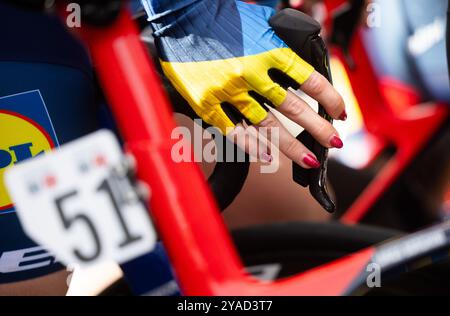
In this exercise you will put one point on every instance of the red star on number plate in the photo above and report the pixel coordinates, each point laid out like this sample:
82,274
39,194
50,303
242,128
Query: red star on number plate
100,160
50,181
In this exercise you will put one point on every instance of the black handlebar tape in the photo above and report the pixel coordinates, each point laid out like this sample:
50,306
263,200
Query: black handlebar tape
302,34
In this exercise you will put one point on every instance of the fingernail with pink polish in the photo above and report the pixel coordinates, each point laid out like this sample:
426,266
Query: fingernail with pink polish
311,161
266,157
336,142
343,116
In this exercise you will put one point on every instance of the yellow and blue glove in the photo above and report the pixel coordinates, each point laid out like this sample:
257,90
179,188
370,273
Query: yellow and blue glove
221,51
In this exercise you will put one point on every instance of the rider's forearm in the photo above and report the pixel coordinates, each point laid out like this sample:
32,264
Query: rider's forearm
159,8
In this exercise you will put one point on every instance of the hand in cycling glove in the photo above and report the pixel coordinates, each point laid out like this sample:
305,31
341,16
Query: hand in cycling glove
218,52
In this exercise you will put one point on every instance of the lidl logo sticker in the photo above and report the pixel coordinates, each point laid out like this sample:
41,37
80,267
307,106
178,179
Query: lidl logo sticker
26,131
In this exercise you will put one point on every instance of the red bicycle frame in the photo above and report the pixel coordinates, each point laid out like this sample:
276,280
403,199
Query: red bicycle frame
199,246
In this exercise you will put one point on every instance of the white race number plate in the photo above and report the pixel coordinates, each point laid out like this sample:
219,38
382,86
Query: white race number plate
78,203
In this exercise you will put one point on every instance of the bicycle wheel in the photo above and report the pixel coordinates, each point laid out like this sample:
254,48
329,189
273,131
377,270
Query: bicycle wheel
281,250
286,249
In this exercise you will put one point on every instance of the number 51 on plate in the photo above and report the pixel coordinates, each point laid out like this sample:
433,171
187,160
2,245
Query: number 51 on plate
78,203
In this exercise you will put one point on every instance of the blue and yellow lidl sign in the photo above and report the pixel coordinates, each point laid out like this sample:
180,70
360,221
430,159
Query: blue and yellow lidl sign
26,131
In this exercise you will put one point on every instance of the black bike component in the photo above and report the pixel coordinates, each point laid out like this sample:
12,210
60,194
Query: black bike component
302,34
141,19
345,24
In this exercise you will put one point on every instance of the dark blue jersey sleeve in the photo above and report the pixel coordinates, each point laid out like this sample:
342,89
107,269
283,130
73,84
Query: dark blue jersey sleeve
46,99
